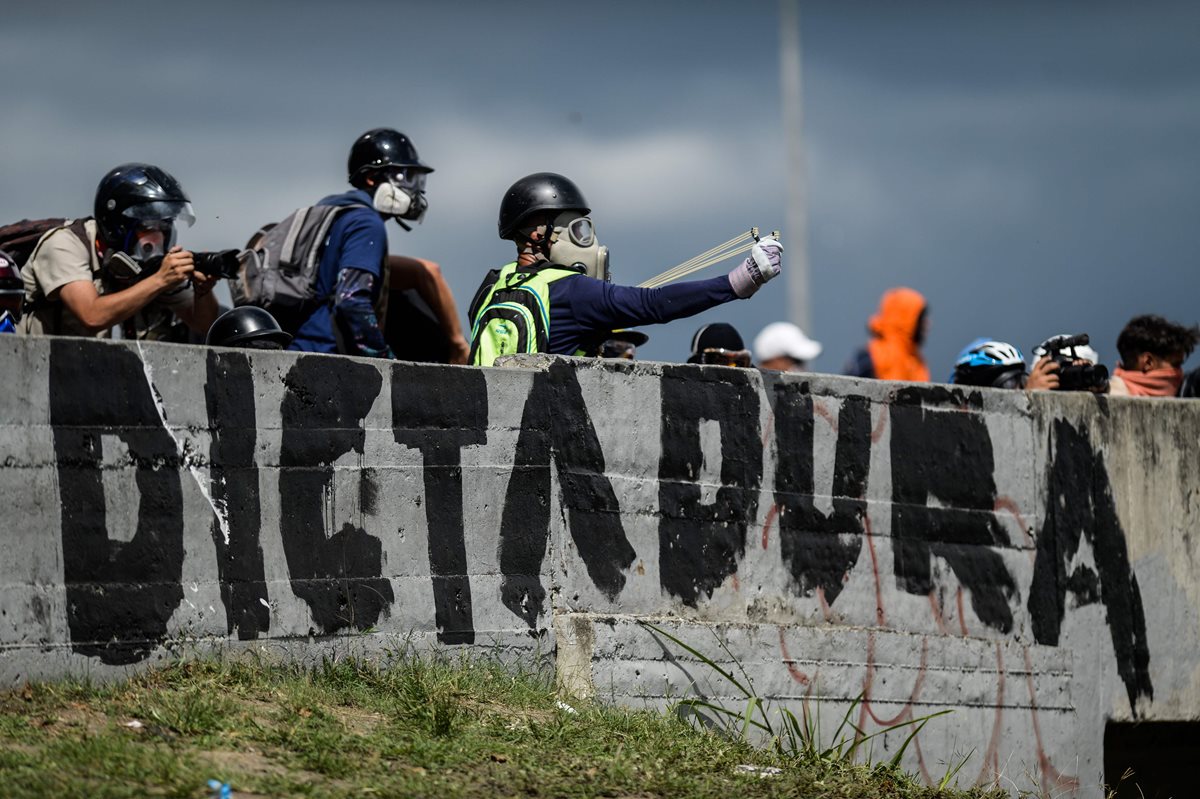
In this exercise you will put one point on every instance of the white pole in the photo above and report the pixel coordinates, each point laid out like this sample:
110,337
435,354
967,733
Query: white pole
795,232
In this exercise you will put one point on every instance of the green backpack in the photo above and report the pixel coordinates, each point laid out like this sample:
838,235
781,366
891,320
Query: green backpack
510,313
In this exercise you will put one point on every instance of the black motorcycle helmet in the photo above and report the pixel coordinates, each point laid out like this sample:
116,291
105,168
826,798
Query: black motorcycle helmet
379,148
542,193
133,194
247,326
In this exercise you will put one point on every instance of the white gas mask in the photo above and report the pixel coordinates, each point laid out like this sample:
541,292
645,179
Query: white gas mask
573,243
401,194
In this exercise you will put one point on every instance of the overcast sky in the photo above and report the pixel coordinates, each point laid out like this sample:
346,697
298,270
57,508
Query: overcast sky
1032,167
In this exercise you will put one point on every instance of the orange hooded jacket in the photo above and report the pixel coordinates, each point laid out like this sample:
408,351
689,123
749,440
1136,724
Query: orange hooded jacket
894,351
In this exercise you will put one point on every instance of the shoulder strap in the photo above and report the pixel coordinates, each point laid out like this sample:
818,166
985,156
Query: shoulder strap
42,302
491,282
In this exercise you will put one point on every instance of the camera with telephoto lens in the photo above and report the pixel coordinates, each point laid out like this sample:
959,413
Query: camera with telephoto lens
222,263
1073,376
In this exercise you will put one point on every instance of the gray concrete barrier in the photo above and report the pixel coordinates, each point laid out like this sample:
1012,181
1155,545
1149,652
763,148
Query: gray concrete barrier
1027,561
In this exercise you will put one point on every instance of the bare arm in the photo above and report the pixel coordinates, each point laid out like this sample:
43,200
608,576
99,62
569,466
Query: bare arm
426,278
203,311
101,311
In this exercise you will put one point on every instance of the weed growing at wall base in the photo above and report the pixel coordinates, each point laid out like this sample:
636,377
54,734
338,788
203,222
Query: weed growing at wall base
798,739
407,726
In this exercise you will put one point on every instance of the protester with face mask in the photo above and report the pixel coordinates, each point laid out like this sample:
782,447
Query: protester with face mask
557,296
354,271
120,265
897,332
1152,354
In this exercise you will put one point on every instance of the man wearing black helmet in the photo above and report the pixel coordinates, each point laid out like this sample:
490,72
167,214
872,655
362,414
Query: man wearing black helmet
557,298
355,271
90,274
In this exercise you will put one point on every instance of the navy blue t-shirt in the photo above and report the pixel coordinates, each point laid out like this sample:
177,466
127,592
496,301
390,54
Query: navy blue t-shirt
583,310
357,240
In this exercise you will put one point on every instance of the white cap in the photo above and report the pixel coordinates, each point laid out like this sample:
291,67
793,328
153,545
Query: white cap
784,339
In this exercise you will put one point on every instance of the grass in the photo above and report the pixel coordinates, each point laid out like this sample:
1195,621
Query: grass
410,726
799,737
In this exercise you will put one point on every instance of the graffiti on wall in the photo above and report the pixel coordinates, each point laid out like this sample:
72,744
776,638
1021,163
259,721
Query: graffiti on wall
121,594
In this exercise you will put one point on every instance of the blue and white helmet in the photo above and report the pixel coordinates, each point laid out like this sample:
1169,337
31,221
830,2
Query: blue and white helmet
987,362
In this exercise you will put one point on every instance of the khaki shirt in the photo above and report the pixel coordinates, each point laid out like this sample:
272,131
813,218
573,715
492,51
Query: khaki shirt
61,258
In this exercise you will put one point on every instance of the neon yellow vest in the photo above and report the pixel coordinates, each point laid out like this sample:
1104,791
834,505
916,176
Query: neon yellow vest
513,315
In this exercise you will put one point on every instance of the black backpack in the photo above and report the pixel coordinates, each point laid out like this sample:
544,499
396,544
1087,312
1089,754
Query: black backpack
21,238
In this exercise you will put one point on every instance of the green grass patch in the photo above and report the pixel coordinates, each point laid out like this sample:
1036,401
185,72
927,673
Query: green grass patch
408,726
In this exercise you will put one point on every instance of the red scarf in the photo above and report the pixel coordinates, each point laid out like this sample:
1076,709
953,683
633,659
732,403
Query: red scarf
1163,382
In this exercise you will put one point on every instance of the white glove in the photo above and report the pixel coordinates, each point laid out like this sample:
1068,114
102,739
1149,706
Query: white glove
763,263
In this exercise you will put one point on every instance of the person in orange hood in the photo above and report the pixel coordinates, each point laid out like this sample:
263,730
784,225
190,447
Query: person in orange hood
897,332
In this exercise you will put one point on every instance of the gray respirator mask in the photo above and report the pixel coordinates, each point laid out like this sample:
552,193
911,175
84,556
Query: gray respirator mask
143,251
573,243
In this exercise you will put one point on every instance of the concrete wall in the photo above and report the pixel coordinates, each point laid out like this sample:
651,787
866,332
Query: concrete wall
1027,561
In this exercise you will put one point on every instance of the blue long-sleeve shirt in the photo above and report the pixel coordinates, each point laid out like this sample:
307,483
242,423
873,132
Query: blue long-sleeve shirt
583,310
351,275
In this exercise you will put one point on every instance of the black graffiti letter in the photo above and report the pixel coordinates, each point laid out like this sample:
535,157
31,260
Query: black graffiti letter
338,575
947,453
820,550
120,594
555,422
699,545
439,413
1080,505
229,394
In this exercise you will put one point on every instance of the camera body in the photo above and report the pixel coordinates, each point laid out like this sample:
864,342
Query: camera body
1074,376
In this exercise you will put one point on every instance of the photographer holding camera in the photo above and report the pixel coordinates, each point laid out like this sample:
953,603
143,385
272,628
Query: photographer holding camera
1067,363
120,266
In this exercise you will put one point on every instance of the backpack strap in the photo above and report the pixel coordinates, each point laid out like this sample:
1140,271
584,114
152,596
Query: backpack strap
42,302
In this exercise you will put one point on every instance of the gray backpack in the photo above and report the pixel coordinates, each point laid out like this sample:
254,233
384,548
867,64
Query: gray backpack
279,269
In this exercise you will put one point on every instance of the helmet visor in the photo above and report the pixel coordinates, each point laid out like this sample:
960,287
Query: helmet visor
408,178
162,211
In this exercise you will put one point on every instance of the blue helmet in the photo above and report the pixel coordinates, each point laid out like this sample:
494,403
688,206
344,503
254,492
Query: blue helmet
987,362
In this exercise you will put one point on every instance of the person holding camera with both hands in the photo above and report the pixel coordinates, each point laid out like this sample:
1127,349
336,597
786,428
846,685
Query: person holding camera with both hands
1067,363
120,266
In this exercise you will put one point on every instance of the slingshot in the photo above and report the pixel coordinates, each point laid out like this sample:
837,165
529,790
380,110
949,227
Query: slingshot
722,252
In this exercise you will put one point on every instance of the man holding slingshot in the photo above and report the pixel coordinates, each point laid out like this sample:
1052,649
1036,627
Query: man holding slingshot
557,296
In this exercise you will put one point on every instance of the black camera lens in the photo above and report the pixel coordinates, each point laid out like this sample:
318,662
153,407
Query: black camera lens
217,264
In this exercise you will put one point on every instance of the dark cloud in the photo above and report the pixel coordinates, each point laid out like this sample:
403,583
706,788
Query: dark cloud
1030,166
